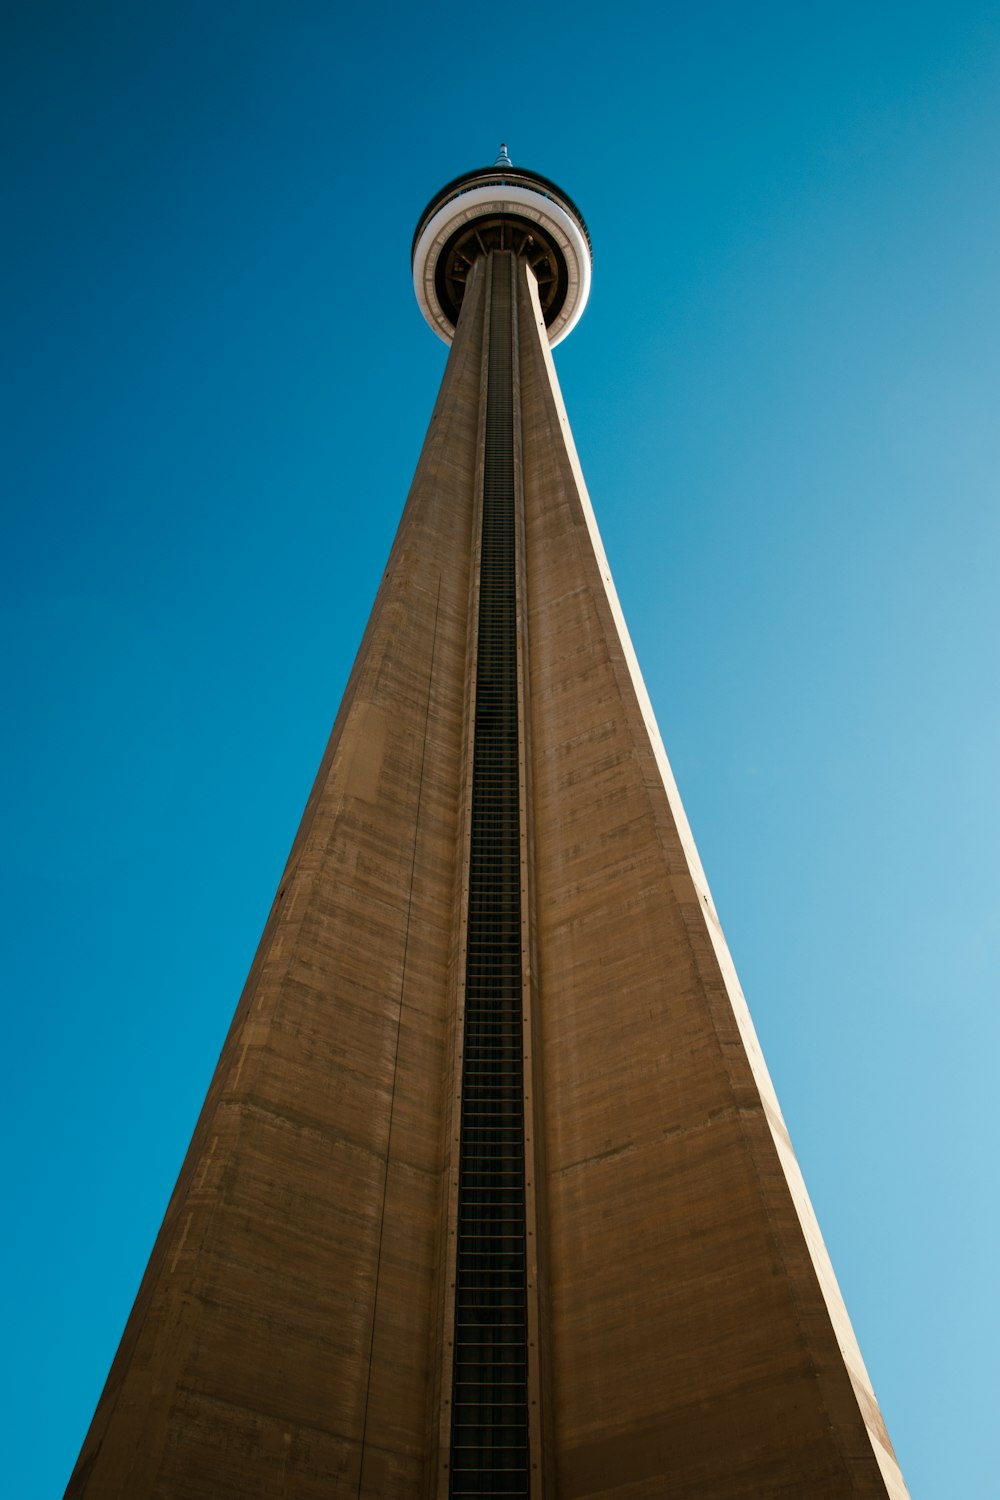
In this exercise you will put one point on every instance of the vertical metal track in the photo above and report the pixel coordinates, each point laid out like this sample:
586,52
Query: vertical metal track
489,1439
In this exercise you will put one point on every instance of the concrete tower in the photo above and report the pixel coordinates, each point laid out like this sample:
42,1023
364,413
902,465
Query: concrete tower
491,1194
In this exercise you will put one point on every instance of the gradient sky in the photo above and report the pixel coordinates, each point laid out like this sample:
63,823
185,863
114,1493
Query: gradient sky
784,393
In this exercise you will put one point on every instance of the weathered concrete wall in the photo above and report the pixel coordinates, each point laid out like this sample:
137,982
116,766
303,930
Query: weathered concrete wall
281,1339
697,1341
290,1336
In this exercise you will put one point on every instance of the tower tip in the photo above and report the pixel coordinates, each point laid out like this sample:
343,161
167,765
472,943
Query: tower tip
503,160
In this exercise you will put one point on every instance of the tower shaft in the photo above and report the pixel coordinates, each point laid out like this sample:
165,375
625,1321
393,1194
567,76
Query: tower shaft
490,1385
491,1193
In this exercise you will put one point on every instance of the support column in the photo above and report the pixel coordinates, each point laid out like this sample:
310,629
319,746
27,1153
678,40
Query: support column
490,1447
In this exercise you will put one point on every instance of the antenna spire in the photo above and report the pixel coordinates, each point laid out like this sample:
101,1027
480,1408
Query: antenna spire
503,160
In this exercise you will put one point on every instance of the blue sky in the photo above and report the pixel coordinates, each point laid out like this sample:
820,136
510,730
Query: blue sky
784,393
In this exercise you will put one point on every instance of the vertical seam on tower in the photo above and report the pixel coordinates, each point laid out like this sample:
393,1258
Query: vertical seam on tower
539,1451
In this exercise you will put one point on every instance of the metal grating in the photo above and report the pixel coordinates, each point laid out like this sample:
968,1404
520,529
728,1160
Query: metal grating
489,1442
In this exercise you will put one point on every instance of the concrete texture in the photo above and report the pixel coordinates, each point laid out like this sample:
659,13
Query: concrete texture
291,1334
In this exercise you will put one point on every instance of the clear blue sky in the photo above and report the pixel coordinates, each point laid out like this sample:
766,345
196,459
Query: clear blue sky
785,397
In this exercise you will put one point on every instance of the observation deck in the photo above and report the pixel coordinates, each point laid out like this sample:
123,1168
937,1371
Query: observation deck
510,208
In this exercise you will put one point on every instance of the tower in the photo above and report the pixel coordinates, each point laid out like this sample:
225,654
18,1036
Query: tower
491,1194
